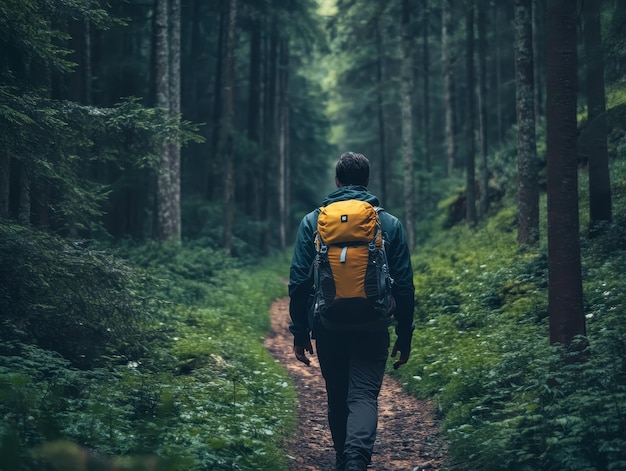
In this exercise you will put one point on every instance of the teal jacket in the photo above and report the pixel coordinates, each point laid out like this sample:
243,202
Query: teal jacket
398,254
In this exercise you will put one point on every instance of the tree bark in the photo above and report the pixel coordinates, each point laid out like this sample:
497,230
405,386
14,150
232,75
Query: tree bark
5,167
174,106
283,109
226,147
599,176
448,82
498,75
88,65
565,301
44,216
407,124
162,90
482,107
269,138
254,122
79,81
538,23
470,159
195,83
382,131
528,186
426,91
161,54
218,104
23,214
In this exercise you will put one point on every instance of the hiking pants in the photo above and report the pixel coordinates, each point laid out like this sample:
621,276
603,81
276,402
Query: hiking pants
353,366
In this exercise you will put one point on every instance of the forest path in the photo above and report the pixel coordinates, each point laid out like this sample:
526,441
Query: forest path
408,435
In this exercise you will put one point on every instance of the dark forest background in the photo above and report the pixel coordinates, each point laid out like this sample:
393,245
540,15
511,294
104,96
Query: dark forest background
160,120
156,157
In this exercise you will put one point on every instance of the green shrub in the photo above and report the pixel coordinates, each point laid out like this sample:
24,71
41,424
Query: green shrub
178,371
508,401
68,297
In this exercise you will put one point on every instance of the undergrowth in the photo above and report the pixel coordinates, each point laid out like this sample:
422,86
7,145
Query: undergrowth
149,357
481,348
152,356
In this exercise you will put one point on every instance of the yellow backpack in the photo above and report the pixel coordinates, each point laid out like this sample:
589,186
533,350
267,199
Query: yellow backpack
351,272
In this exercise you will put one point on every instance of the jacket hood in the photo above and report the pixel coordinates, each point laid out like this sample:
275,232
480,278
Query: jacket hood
351,192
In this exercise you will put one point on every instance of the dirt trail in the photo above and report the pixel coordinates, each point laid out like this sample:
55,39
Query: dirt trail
408,435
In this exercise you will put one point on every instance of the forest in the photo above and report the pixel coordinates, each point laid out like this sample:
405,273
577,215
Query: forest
157,156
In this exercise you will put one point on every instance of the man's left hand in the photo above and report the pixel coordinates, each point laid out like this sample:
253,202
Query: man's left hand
300,351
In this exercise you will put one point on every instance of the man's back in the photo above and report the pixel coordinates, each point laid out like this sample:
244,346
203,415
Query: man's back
352,360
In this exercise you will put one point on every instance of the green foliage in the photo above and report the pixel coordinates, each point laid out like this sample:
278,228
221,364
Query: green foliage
203,221
61,144
508,401
176,372
33,37
26,28
613,39
66,297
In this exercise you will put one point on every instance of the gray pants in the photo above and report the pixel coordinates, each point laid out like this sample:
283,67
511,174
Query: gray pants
353,366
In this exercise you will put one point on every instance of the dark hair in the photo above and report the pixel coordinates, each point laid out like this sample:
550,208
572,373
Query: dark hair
353,169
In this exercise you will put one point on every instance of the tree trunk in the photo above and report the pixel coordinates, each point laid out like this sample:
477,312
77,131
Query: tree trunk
482,107
43,204
193,94
470,160
75,81
406,85
565,301
382,131
269,137
217,108
498,75
254,122
226,148
599,177
283,107
195,83
538,26
23,214
162,90
174,106
88,66
426,94
448,82
528,186
5,167
79,81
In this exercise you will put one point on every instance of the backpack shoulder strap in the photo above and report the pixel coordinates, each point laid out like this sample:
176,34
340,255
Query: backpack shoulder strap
317,240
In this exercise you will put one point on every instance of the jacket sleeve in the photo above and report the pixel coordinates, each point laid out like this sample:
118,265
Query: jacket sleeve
401,270
301,280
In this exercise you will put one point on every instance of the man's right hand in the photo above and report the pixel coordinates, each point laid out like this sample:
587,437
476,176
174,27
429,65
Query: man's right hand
300,351
404,357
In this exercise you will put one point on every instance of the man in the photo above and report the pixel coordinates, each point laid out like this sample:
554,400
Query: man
352,361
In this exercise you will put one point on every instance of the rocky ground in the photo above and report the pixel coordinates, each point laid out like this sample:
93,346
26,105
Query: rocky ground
408,436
